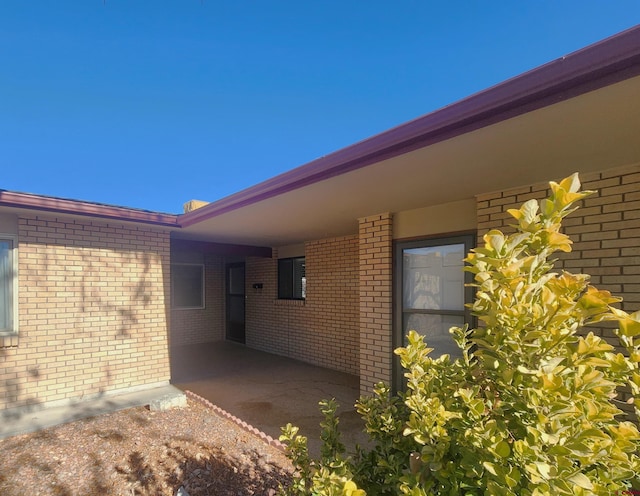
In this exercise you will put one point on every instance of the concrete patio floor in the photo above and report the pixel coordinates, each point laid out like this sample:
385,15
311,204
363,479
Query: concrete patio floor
266,390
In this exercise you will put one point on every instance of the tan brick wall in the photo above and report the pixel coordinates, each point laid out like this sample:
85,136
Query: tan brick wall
93,301
376,345
207,324
323,329
605,231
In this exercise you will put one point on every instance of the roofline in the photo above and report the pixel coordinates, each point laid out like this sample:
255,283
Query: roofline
606,62
77,207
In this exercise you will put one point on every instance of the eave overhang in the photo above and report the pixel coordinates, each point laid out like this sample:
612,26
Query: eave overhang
605,63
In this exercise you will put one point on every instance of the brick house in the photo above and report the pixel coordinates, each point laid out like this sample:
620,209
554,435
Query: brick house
332,262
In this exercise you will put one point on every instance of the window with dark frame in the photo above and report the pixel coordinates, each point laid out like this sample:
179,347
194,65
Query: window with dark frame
292,281
430,292
187,286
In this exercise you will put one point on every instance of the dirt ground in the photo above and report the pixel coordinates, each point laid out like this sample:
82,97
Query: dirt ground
140,452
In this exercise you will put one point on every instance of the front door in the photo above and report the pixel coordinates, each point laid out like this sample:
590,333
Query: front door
235,302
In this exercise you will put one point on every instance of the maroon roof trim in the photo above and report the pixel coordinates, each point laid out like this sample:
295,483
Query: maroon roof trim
77,207
609,61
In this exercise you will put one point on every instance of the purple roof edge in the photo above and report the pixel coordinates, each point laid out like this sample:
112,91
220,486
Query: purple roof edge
78,207
606,62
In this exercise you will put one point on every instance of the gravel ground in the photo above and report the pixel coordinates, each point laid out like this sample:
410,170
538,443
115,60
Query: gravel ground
140,452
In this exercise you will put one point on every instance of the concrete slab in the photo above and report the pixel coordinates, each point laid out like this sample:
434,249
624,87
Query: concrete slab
168,402
266,390
262,389
21,422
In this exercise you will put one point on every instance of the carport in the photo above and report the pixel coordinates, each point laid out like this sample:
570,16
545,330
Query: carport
266,390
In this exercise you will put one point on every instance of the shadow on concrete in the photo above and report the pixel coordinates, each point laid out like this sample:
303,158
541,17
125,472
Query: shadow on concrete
268,391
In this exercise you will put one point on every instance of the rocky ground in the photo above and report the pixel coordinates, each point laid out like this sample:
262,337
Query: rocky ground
188,450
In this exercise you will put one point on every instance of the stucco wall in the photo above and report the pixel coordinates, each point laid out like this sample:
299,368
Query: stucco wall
93,302
435,220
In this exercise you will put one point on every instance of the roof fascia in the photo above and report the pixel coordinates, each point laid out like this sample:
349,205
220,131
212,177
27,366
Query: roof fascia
76,207
604,63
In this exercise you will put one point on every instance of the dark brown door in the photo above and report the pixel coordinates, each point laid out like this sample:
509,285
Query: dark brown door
235,302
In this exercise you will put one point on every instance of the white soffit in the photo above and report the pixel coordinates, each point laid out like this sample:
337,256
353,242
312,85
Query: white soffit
594,131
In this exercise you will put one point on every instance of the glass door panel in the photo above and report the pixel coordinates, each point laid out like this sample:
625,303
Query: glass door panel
433,278
235,315
430,293
433,293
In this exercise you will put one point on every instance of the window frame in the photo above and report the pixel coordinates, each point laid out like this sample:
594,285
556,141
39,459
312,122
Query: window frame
468,239
12,330
174,291
282,262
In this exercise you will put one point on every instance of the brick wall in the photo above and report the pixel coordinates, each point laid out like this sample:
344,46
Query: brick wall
375,254
195,326
92,311
605,231
323,329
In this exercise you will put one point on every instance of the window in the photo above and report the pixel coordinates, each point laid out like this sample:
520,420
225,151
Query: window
187,286
292,282
430,292
8,285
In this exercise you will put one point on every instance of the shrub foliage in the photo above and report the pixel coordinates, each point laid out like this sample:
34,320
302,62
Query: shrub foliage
530,408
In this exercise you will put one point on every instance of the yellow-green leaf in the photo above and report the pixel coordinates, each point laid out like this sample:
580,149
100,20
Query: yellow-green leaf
581,480
502,449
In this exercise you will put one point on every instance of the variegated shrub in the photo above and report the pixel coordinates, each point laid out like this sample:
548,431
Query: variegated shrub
532,406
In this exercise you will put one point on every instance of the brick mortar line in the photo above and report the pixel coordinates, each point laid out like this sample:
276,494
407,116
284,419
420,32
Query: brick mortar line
238,421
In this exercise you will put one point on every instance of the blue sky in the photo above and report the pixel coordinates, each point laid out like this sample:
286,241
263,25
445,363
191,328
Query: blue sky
149,104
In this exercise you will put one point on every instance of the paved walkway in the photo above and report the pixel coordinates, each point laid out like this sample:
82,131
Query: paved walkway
266,390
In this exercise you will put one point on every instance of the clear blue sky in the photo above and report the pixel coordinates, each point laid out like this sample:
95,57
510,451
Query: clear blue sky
150,103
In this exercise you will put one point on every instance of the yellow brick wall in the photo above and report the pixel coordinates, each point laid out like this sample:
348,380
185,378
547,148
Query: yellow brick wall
605,231
323,329
93,302
206,325
376,345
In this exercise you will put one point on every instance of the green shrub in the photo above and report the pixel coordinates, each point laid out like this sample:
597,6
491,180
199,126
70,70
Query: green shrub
531,406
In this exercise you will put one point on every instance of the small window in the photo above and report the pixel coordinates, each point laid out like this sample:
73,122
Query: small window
187,285
8,285
292,282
